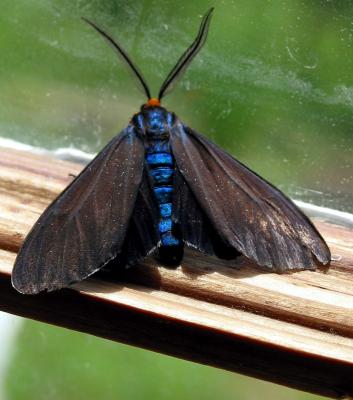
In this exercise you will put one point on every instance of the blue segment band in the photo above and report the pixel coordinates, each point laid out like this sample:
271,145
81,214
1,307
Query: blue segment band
168,239
162,175
163,194
165,210
158,146
159,159
165,225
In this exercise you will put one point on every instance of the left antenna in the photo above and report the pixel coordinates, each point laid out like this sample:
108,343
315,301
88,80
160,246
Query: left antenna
124,56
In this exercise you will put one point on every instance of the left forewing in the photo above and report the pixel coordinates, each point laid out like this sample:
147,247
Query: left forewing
250,214
86,225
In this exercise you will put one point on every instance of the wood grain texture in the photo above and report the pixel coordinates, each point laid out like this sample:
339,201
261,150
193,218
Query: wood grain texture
294,329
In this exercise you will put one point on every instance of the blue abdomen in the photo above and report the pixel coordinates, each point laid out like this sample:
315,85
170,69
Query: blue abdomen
160,164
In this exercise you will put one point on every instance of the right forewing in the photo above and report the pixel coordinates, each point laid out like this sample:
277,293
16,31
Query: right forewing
247,212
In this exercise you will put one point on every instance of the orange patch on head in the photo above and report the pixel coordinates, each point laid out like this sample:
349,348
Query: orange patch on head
153,102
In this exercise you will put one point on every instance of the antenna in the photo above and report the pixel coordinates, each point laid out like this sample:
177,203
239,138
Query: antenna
184,61
124,56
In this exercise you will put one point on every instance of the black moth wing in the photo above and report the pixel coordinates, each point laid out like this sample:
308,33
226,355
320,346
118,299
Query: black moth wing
86,225
248,213
196,228
142,235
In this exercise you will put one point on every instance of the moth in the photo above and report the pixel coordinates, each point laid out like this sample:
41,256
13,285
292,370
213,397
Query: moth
159,186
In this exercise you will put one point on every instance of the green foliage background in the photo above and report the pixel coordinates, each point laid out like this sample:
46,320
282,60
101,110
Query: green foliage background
51,363
273,85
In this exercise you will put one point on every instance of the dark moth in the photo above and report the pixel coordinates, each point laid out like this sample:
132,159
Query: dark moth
159,186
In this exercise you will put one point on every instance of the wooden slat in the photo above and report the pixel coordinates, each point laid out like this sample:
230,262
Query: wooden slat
294,329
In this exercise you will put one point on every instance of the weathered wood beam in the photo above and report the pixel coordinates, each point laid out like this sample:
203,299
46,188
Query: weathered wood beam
293,329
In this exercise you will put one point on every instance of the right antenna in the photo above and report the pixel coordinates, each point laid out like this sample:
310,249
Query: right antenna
184,61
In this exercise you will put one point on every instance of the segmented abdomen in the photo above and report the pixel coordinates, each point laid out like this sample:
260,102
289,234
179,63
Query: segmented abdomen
160,163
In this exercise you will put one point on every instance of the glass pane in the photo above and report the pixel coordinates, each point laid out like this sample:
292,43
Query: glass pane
274,84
